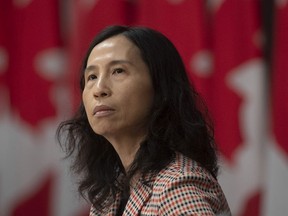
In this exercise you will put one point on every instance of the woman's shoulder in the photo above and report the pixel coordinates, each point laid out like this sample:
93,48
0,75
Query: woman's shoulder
183,166
186,179
184,172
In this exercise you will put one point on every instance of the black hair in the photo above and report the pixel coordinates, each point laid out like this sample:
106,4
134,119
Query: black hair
178,122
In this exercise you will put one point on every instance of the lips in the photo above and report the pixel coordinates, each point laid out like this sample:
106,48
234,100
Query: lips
102,110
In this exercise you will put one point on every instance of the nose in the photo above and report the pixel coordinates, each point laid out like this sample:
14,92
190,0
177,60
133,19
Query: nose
101,88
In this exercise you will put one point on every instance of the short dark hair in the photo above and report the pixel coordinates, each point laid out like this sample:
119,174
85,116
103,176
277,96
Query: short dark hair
178,122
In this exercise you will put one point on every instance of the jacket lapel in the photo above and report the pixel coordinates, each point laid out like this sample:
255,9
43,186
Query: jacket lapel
139,196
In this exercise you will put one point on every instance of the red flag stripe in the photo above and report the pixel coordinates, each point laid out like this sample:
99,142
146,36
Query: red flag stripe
30,92
280,77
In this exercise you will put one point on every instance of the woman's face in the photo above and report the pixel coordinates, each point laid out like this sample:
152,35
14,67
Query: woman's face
118,92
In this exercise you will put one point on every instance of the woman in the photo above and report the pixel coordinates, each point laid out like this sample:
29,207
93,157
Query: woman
141,140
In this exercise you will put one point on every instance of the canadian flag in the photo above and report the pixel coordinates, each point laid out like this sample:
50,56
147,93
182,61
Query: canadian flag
276,163
220,42
33,180
237,102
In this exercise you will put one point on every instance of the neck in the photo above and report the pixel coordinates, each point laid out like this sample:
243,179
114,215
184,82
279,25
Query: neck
126,148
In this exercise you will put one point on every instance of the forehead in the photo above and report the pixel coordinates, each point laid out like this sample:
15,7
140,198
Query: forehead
115,47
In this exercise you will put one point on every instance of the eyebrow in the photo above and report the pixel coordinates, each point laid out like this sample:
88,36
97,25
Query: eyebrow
114,62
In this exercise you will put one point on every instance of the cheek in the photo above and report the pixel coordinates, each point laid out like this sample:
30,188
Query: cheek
85,102
142,103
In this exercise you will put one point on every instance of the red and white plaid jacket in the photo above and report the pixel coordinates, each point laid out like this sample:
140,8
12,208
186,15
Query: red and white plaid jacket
182,188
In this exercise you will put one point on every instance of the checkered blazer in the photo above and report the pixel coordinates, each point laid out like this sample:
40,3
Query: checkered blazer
181,188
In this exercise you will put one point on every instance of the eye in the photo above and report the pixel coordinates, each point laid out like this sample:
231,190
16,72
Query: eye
91,77
118,71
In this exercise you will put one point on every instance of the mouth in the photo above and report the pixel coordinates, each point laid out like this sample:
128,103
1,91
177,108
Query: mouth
103,110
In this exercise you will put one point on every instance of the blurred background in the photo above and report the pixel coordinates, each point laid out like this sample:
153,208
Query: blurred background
235,52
